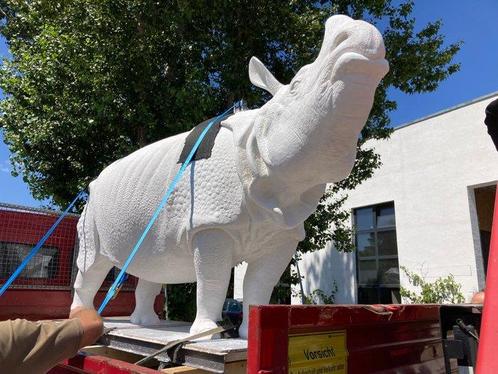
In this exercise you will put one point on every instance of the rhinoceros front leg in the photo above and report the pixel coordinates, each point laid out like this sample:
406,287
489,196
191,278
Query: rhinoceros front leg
213,251
145,295
262,275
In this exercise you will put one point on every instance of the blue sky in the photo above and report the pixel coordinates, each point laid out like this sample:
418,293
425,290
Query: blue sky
473,22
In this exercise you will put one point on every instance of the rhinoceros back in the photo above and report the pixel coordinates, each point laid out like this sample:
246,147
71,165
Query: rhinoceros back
125,195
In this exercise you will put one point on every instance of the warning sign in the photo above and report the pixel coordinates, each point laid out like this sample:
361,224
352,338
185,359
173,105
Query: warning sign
318,353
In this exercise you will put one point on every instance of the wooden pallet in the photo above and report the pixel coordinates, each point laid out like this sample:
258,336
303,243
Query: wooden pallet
210,356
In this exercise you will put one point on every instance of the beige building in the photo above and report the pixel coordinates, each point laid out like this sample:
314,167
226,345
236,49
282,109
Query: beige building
429,208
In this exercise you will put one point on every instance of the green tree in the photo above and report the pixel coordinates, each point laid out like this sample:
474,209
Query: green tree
91,81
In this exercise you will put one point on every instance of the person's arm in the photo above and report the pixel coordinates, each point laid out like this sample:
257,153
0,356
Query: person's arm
91,324
35,347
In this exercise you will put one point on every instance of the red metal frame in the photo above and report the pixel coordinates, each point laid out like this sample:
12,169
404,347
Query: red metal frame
98,364
53,304
404,339
487,359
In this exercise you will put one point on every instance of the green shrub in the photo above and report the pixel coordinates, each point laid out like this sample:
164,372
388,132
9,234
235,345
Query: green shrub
444,290
181,301
318,296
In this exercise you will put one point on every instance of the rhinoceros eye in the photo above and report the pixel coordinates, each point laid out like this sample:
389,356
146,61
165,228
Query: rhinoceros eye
294,86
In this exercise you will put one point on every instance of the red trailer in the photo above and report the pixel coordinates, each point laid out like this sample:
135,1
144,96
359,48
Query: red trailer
51,271
345,339
312,339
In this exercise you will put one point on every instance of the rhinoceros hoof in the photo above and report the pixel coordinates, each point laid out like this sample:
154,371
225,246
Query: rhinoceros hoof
201,325
144,319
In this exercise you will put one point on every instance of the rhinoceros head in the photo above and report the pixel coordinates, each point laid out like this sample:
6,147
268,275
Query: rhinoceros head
309,130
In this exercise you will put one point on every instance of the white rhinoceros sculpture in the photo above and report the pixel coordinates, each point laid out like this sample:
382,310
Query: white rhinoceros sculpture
247,202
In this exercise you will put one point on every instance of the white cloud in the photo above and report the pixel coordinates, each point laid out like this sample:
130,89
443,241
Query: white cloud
5,166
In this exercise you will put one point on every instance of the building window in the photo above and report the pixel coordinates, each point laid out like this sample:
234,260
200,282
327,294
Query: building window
377,254
42,265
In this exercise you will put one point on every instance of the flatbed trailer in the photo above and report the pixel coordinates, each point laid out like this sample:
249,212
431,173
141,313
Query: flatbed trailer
285,339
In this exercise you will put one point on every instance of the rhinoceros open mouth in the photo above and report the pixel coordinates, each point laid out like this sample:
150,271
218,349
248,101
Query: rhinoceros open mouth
356,64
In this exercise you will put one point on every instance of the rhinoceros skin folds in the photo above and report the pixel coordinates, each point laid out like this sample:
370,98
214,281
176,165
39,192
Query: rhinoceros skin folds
248,201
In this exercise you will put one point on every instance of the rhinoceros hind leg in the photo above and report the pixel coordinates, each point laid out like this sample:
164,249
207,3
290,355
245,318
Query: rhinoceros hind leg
213,251
261,276
88,282
145,294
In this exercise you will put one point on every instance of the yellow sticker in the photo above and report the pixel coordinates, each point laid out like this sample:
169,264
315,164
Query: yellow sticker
318,353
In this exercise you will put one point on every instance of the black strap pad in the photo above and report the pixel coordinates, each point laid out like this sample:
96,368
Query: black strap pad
207,144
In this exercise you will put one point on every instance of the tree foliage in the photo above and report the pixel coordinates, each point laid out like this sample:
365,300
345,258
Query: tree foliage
91,81
181,302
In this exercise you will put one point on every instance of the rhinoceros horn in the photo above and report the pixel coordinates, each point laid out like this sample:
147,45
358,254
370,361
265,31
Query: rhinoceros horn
261,77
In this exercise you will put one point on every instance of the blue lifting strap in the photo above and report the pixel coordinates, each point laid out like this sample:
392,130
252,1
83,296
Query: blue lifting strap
37,247
120,278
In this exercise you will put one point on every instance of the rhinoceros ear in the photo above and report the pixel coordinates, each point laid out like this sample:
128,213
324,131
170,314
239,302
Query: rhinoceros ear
261,77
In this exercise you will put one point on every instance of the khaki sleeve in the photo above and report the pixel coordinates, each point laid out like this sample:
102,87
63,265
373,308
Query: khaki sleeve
36,347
